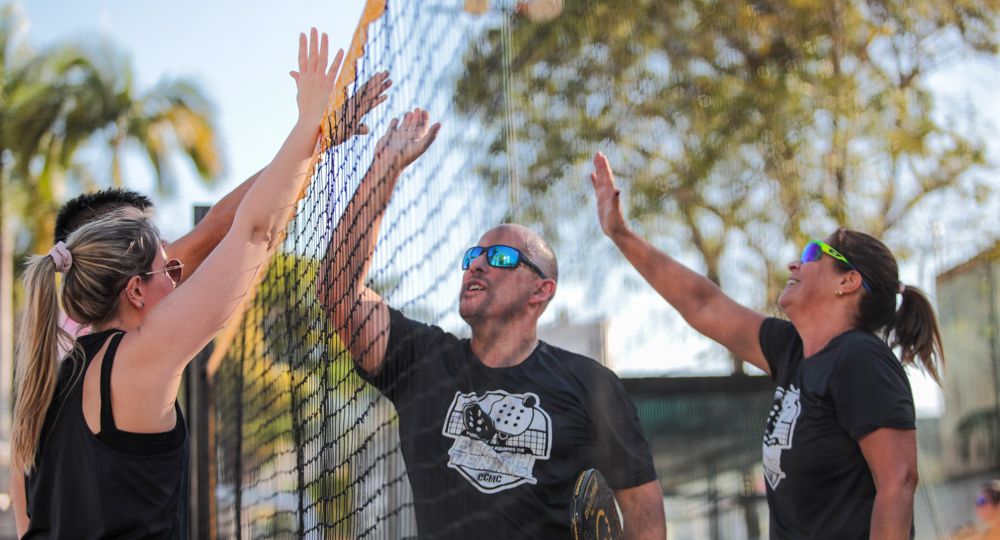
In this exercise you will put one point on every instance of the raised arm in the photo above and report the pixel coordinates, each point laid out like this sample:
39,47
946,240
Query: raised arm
153,358
359,316
700,301
193,247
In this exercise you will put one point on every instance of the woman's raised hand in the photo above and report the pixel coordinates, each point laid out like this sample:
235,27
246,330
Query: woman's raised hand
313,79
609,206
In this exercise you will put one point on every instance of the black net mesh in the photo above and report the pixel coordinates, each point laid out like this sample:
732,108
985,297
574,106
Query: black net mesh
304,447
746,124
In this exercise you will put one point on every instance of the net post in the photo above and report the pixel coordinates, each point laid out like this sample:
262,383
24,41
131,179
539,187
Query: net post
199,410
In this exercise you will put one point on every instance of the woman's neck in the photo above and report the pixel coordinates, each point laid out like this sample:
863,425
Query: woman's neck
817,333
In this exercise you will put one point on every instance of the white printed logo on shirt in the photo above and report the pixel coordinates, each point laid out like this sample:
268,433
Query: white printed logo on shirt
780,429
498,436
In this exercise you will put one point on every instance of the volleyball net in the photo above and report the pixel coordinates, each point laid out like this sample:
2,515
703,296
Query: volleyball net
301,446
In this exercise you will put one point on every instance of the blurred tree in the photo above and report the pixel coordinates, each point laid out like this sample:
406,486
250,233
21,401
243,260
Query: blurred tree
56,101
730,122
70,95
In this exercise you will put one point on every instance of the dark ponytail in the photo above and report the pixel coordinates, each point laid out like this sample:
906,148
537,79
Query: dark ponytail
913,328
915,332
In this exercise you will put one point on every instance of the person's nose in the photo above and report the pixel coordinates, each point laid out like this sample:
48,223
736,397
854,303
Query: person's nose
479,263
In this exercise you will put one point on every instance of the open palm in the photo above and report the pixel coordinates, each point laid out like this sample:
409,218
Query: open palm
369,96
405,141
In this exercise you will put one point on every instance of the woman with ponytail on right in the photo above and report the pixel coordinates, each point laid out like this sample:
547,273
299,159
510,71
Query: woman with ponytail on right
99,447
840,450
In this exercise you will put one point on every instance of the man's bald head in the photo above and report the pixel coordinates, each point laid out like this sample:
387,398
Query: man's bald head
528,241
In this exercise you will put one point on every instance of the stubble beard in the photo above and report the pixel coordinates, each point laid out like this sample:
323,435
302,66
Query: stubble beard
478,314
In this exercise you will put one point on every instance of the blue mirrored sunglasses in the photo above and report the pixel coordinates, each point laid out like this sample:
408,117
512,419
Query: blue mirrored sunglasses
500,256
816,248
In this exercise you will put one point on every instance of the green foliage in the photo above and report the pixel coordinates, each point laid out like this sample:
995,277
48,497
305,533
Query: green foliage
61,98
292,382
767,121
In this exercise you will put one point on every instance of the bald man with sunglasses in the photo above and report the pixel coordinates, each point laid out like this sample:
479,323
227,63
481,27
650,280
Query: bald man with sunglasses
495,429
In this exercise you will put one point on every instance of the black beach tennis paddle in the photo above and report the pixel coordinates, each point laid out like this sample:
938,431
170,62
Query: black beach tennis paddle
595,516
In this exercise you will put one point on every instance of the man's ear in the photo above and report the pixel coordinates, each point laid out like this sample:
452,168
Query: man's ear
544,292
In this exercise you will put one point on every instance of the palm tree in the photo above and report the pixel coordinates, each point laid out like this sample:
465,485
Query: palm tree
173,115
54,102
87,93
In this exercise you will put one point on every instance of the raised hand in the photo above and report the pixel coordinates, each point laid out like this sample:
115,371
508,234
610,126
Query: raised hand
609,206
369,96
405,141
313,80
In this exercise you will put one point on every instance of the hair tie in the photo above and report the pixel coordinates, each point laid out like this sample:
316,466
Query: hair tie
902,288
61,256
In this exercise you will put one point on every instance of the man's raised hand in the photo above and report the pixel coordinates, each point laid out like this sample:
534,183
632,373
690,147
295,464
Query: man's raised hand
370,95
405,141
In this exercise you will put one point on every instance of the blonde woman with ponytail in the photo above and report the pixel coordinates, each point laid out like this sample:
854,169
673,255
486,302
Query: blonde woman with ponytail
99,444
840,450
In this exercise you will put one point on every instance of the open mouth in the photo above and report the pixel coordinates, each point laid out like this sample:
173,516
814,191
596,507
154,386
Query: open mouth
474,286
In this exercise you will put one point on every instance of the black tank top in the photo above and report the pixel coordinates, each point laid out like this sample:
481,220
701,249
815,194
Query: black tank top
111,485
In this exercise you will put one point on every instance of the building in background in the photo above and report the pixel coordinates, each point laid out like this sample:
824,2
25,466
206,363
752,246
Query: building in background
589,339
969,312
968,307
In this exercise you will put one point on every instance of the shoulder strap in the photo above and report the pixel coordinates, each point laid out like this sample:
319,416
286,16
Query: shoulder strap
107,419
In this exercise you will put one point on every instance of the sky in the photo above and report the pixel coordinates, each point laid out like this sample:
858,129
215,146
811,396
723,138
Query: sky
240,55
241,52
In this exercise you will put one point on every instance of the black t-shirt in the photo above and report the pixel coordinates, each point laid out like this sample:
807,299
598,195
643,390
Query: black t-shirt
818,482
495,452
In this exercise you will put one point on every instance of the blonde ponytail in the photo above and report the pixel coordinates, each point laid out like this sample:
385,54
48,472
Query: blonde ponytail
37,358
101,257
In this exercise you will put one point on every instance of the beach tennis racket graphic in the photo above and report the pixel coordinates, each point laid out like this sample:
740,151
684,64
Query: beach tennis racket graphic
478,424
594,514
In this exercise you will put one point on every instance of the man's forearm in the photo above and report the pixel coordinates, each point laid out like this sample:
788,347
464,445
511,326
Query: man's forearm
193,247
353,241
892,514
341,277
642,512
